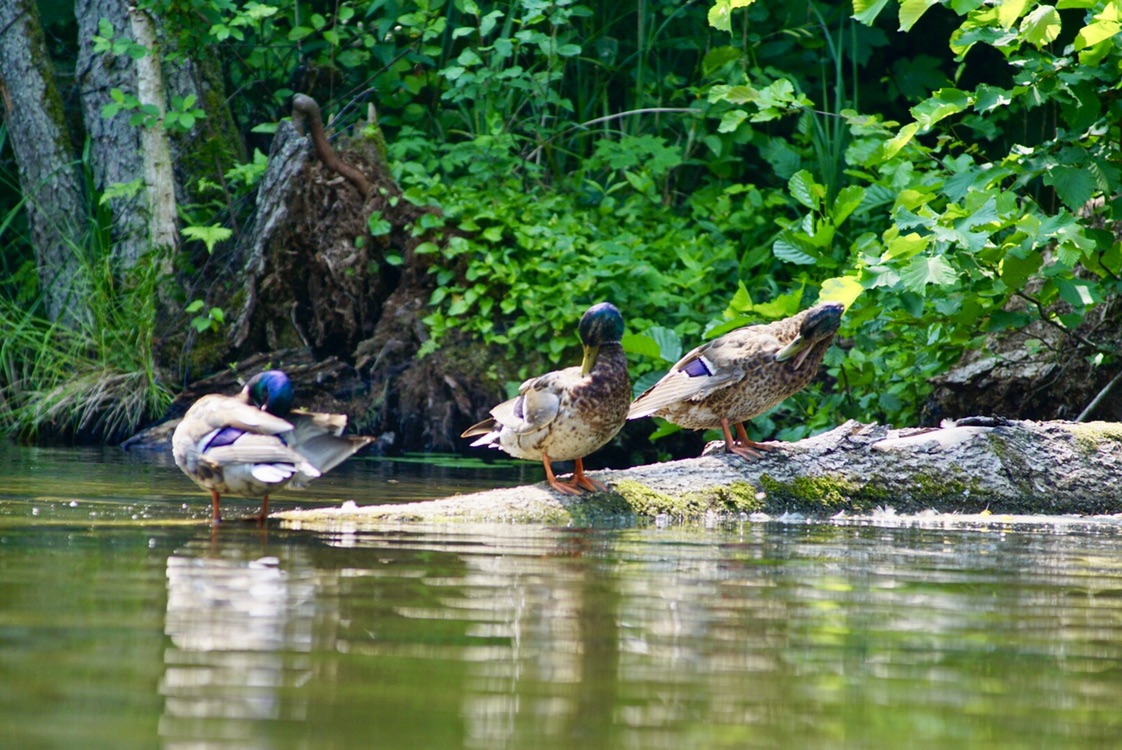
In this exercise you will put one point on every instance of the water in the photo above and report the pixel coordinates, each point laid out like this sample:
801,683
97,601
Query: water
127,622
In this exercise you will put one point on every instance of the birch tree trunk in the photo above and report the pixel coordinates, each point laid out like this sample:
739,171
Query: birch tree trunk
49,177
124,153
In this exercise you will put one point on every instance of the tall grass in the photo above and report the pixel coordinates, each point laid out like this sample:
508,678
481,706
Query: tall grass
93,378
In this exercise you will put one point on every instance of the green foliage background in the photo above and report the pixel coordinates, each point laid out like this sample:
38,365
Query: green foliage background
945,168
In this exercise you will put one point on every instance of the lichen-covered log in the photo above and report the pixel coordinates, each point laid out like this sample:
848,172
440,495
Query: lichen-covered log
976,464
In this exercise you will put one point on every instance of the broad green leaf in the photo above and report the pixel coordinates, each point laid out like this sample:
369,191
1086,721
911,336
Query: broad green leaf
721,327
783,306
741,301
893,145
866,11
905,247
1074,185
657,343
1041,25
642,344
911,10
1008,11
720,14
847,201
1016,271
785,250
923,270
943,103
717,58
988,97
843,289
669,342
1079,292
805,191
731,120
1104,27
377,225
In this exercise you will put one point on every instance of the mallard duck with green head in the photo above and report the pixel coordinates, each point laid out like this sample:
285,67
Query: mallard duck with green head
255,443
567,414
741,375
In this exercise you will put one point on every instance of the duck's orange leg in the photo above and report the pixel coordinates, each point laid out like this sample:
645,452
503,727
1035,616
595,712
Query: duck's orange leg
581,480
742,446
562,487
262,514
215,513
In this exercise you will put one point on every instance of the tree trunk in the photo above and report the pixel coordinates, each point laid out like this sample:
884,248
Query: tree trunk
985,466
50,180
124,153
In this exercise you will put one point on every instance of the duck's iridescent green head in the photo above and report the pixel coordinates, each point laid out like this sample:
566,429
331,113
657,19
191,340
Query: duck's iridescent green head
601,324
272,391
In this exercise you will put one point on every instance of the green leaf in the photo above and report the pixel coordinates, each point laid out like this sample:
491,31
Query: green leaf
1096,32
846,202
923,270
911,10
942,104
1016,271
1074,185
843,289
988,97
717,58
805,191
377,225
893,145
1008,11
866,11
298,33
1079,293
1041,26
785,250
669,342
905,247
210,236
720,14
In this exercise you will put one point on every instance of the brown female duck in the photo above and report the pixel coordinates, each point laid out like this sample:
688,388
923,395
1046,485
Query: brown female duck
742,374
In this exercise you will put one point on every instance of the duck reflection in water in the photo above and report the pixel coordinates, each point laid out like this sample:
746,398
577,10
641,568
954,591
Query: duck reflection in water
241,629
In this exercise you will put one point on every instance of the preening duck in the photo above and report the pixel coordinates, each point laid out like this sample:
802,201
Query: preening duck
255,443
742,374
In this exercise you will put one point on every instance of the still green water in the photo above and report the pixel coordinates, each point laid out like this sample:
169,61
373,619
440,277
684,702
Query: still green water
127,622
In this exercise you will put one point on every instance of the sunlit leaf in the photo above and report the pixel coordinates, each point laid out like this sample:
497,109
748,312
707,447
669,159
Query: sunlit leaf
843,289
1041,25
720,14
912,10
866,11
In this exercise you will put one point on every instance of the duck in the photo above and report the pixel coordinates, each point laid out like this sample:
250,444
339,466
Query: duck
254,443
741,375
567,414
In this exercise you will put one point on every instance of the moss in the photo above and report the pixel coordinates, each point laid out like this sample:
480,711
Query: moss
641,500
822,493
1089,436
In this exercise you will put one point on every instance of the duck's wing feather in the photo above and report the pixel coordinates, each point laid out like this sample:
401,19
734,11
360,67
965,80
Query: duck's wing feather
539,401
215,412
254,449
710,367
318,438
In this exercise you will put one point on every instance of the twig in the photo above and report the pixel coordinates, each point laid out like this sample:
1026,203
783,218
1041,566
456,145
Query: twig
1095,401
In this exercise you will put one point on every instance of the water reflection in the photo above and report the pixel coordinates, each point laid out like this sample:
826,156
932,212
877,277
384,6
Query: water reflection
122,625
241,627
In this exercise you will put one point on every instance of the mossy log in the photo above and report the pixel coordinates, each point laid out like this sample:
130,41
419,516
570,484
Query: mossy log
973,465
